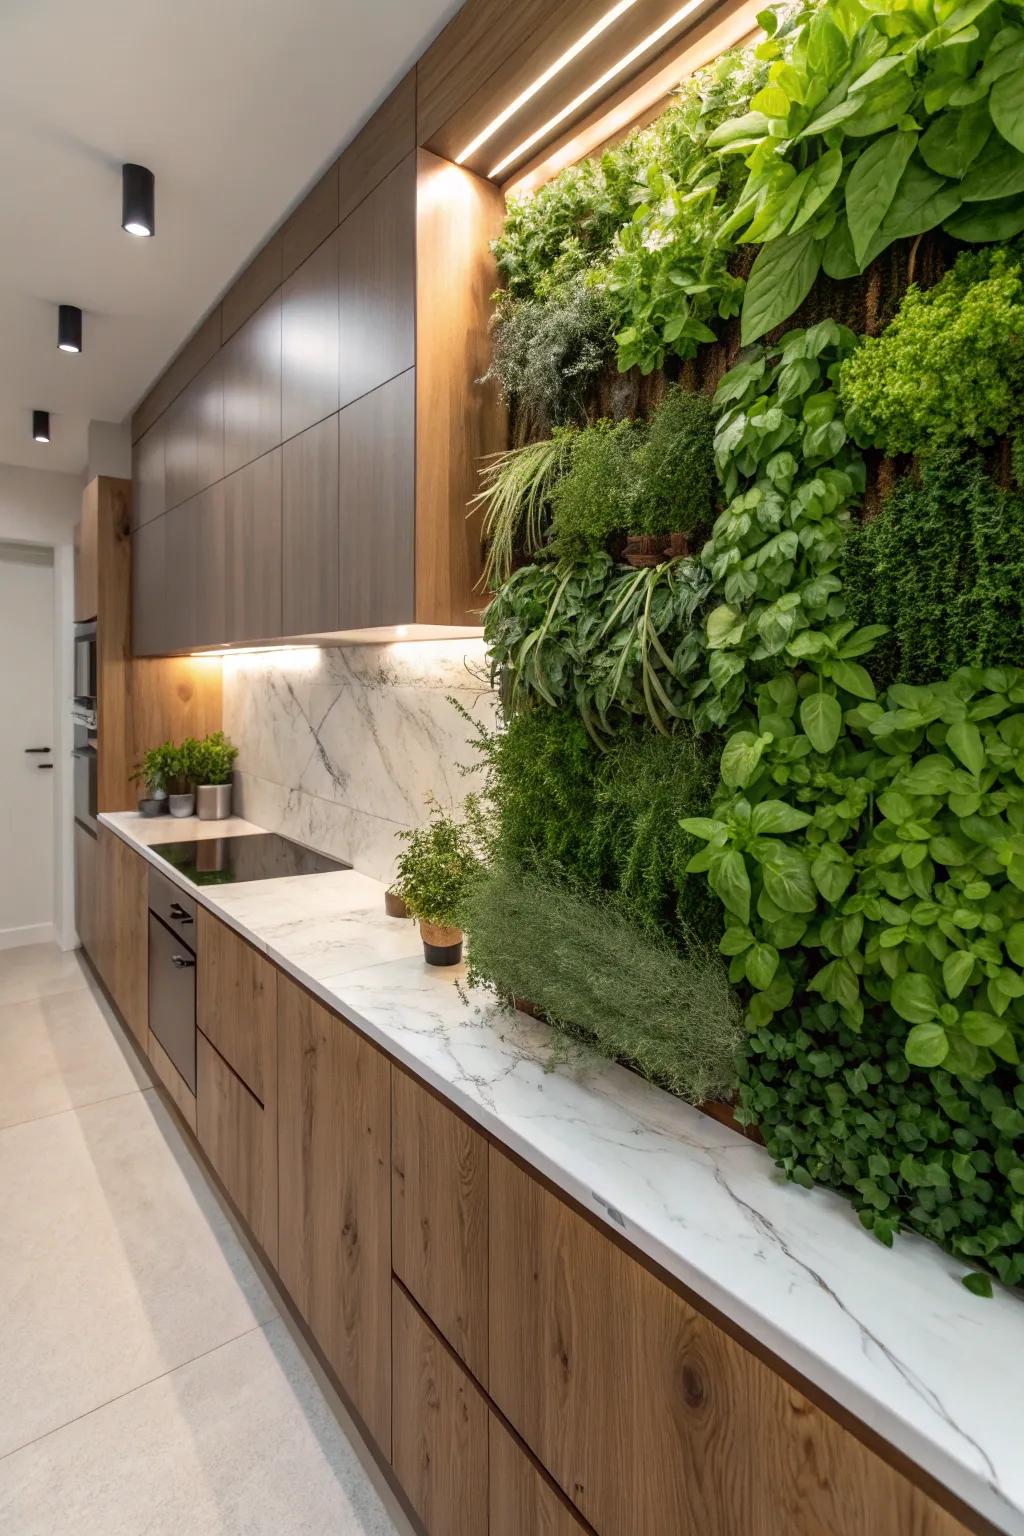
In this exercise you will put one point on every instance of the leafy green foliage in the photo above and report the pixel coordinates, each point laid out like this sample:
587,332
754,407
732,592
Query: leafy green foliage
910,1148
880,119
213,759
674,469
158,769
439,860
546,353
616,644
950,367
942,566
516,501
594,499
596,975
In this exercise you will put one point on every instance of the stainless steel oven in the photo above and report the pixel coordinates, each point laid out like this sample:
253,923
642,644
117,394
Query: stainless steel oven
85,764
85,664
172,973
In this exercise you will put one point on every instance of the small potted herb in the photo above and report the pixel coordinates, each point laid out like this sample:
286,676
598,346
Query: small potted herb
212,763
181,777
156,770
433,873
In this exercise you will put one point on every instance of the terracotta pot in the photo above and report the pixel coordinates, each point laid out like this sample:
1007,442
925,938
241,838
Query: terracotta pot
441,945
678,545
394,905
645,549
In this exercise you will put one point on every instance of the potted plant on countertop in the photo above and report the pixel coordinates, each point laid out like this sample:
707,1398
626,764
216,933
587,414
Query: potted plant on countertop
434,871
212,763
181,777
156,771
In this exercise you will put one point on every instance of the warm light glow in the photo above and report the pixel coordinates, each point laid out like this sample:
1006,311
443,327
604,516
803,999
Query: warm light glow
598,85
402,631
39,438
65,346
136,229
542,79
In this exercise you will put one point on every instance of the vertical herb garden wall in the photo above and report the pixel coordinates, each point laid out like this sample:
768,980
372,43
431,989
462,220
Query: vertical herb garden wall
755,823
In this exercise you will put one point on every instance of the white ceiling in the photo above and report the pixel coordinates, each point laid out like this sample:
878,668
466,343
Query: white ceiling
237,106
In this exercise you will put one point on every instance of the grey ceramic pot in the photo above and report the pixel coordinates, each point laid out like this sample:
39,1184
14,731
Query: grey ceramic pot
152,806
213,802
182,805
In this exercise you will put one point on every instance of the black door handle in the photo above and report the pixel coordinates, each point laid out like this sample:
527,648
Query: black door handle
181,963
36,750
44,765
179,915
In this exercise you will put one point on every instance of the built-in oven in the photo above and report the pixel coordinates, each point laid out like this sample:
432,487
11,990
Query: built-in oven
172,973
85,664
84,758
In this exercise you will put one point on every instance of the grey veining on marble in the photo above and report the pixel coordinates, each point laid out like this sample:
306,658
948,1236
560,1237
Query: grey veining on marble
341,747
890,1335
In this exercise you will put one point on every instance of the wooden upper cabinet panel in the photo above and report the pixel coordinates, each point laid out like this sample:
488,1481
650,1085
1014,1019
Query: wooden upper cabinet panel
201,346
180,555
149,495
439,1216
376,510
309,341
87,575
252,387
252,541
309,530
377,285
151,614
439,1454
236,1004
334,1253
377,148
210,545
253,287
209,413
181,446
521,1497
311,223
649,1416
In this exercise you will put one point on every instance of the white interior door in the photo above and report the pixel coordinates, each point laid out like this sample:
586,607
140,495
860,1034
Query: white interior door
27,719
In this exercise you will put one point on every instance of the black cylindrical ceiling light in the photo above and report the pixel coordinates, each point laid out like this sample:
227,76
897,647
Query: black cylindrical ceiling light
138,200
41,426
69,328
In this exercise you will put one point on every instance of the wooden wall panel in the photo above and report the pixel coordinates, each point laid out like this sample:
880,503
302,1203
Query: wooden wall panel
193,356
439,1452
388,137
462,419
377,286
311,222
253,287
589,1351
377,509
87,578
439,1216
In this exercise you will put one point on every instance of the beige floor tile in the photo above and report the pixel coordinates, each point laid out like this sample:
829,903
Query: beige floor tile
61,1051
238,1443
117,1262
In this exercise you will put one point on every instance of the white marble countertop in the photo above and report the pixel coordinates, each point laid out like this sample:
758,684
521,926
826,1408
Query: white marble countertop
890,1335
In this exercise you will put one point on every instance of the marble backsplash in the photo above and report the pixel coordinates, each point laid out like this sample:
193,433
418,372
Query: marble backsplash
340,747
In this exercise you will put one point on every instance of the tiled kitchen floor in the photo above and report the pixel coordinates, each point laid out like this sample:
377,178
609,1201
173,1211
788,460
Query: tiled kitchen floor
148,1381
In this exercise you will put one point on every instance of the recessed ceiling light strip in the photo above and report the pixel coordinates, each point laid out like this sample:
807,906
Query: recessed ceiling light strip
598,85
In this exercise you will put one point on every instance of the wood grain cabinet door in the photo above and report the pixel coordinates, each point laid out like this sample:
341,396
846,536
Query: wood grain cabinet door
439,1216
151,611
239,1136
377,506
149,496
440,1429
522,1499
251,363
377,285
181,446
236,1004
309,530
334,1254
85,890
309,341
87,578
252,523
209,419
649,1416
210,623
122,950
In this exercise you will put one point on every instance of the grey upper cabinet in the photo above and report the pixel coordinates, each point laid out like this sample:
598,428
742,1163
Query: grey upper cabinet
150,607
309,341
149,475
252,527
209,417
377,285
209,545
180,445
309,530
377,506
252,386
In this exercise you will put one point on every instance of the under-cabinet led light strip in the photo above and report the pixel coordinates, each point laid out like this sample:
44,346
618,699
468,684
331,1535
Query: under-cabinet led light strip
542,79
597,85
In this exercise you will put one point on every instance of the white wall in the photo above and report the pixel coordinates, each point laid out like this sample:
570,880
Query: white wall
41,507
110,451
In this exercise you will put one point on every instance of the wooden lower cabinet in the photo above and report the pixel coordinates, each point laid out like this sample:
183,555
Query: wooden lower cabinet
439,1216
239,1136
439,1453
236,1004
334,1140
520,1498
86,858
122,930
648,1415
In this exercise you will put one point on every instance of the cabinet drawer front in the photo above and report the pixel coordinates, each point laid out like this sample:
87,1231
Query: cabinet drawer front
521,1498
236,1004
439,1217
440,1428
240,1138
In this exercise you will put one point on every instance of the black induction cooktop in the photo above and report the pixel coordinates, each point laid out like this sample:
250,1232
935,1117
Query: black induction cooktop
235,860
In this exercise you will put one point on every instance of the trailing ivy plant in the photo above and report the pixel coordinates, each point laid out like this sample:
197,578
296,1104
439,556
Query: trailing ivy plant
880,119
949,368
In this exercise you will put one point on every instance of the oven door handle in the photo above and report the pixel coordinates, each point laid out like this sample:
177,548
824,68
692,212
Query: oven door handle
179,915
182,963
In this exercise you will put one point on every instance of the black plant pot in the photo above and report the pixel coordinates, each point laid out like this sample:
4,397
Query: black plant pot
441,946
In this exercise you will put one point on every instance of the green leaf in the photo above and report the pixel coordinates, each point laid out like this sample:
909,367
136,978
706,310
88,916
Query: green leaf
998,172
854,678
822,720
832,872
1006,104
955,139
780,279
914,997
777,816
964,739
740,759
871,186
983,222
978,1284
703,826
926,1045
922,201
957,969
762,963
818,180
729,880
1014,942
787,879
982,1028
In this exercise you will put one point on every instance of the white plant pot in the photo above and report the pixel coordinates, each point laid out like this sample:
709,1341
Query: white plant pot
183,805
